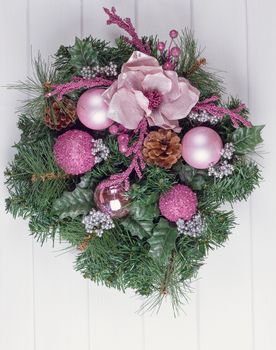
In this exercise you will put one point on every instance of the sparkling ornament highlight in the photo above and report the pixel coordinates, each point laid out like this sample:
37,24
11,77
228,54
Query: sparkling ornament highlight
203,117
113,201
92,110
73,152
192,227
201,147
180,202
97,222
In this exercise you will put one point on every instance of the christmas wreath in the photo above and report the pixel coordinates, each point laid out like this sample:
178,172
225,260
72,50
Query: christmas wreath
127,153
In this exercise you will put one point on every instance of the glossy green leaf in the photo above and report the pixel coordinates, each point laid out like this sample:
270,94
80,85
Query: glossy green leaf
246,139
73,204
82,54
162,241
140,221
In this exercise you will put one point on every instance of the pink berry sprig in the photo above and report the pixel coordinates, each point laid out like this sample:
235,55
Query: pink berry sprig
170,56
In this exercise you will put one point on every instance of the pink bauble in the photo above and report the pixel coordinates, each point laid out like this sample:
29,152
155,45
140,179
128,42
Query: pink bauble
112,200
201,147
72,152
92,110
180,202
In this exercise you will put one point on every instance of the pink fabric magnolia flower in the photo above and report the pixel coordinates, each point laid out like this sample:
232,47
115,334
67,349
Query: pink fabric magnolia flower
144,89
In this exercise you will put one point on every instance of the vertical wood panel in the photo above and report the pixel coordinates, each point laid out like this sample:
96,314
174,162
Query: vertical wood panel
60,292
225,285
16,280
262,74
114,322
163,331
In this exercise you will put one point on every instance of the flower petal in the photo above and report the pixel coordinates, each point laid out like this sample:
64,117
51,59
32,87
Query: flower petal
182,106
142,101
139,61
131,80
158,82
124,109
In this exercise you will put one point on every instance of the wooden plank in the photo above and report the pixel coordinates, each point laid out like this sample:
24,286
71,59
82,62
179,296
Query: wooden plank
114,322
225,285
262,73
162,331
16,278
60,292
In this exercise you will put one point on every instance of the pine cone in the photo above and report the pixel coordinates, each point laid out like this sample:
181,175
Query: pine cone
60,114
84,244
162,148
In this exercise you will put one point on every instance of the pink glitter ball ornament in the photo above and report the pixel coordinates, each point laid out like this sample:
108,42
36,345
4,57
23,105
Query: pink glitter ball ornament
72,152
180,202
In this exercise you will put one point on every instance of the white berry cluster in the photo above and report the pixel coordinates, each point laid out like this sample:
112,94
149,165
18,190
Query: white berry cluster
223,168
100,150
192,227
97,222
97,71
204,117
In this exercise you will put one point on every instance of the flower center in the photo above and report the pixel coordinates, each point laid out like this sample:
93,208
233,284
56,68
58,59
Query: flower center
154,97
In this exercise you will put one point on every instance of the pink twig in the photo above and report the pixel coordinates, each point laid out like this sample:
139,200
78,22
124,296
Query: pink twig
127,26
76,84
137,164
212,108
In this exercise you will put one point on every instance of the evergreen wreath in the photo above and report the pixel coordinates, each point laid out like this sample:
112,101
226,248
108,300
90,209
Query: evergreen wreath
127,153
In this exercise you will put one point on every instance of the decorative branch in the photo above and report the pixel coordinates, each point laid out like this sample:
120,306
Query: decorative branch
137,164
48,176
76,84
127,26
210,107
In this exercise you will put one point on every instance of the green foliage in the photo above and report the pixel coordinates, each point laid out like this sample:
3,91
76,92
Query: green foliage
140,221
82,54
207,82
162,241
144,251
245,139
74,203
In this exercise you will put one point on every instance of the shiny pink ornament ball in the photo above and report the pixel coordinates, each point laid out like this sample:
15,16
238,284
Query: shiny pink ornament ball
180,202
72,152
112,200
201,147
92,110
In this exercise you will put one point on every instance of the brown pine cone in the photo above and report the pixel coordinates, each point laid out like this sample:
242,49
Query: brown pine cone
84,244
162,148
60,114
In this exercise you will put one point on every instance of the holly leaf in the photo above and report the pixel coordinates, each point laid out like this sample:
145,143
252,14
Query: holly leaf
73,204
190,176
162,241
82,54
140,221
246,139
140,228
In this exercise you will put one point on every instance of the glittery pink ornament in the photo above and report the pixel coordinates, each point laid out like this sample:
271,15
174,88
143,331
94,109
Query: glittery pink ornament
180,202
123,139
92,110
201,146
112,200
72,152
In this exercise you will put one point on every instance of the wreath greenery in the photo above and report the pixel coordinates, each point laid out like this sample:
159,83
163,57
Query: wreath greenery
143,250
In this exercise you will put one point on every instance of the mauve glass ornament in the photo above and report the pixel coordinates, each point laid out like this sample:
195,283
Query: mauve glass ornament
112,200
92,110
201,147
